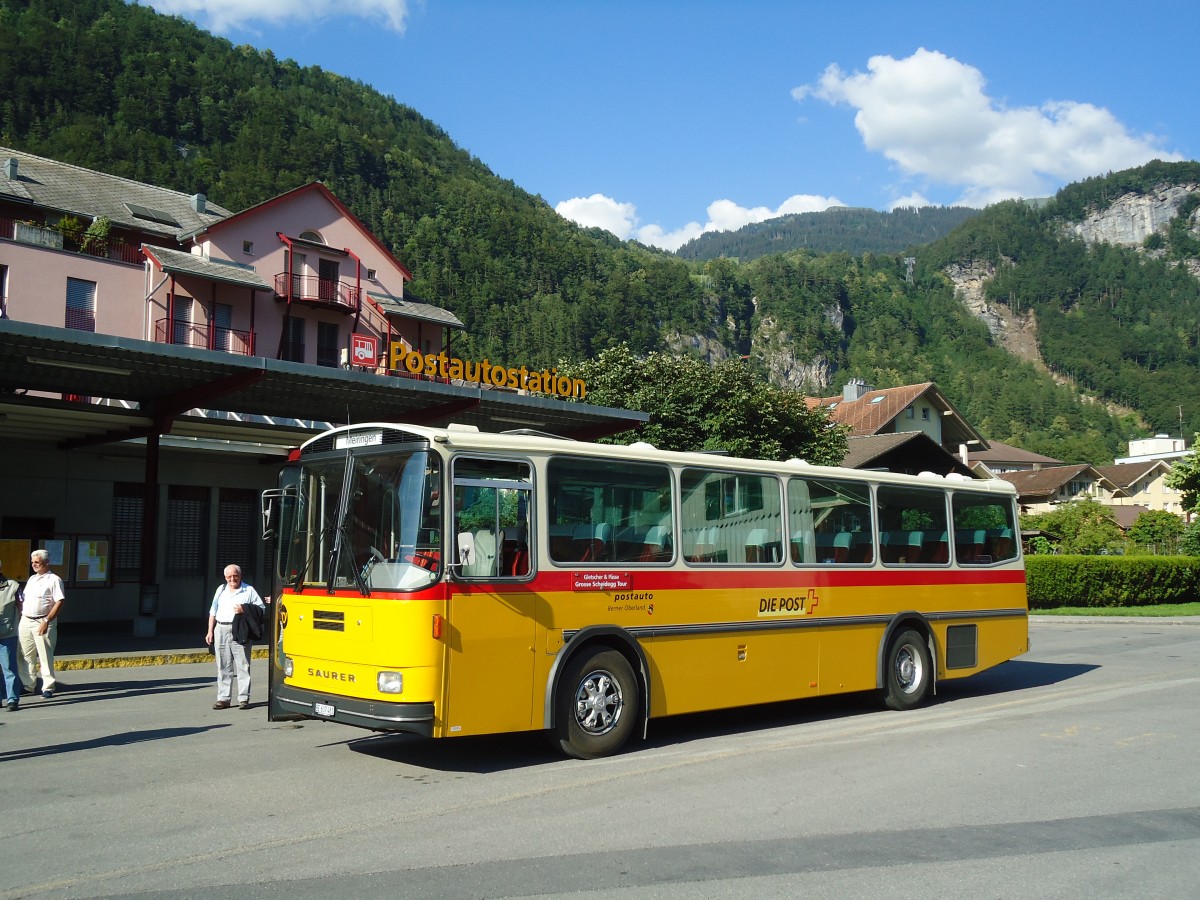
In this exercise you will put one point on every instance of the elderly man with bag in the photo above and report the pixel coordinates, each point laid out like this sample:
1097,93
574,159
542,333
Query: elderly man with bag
233,599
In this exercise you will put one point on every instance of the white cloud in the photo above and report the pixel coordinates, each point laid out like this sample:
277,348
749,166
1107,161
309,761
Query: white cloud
622,220
916,200
223,15
598,211
930,115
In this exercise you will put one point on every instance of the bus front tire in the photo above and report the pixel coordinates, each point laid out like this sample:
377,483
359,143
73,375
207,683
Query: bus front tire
597,705
909,671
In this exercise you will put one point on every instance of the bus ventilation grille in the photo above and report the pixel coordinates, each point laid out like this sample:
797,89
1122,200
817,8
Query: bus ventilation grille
324,620
962,645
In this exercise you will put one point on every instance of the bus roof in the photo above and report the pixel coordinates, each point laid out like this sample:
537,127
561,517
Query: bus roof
467,437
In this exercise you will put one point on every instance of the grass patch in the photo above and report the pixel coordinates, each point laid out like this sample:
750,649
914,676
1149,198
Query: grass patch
1147,612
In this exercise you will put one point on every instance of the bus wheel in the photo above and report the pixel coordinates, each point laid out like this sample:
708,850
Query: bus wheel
597,704
909,671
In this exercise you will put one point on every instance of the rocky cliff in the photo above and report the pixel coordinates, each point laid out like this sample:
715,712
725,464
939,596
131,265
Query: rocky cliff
1132,218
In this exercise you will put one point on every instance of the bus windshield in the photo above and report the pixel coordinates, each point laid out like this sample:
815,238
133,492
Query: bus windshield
368,522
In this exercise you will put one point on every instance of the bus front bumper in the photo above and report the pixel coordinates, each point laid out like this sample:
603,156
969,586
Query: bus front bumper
412,718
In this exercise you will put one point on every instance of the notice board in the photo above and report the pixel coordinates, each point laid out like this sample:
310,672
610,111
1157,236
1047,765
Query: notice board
14,558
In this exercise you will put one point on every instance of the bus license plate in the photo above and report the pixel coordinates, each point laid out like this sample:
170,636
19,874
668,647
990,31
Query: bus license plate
324,709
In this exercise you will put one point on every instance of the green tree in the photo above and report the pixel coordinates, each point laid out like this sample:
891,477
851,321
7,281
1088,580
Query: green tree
694,406
1185,476
1081,526
1157,528
1189,542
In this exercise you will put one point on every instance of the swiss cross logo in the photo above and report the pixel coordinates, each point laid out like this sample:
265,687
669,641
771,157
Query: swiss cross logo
364,349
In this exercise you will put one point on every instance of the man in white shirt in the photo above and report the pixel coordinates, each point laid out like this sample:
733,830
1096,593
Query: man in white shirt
38,631
227,603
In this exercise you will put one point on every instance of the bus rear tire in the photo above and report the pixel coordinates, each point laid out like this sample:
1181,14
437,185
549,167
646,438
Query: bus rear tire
596,704
909,671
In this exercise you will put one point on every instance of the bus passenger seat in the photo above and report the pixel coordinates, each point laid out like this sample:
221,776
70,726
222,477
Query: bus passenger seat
656,545
514,552
937,548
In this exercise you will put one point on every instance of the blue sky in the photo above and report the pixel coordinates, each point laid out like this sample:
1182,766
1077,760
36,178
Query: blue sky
662,120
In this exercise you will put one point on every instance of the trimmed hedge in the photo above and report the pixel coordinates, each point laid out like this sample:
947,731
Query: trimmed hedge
1111,581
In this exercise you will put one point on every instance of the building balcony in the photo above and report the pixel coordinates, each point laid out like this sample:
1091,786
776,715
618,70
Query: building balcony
53,239
319,292
190,334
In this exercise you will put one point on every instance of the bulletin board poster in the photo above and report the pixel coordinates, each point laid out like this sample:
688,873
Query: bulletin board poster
59,549
14,559
91,561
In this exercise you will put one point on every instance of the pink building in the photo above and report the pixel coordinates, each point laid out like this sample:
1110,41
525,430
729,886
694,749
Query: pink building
291,278
159,355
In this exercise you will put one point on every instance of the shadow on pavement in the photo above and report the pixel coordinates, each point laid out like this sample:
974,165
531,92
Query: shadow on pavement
113,740
494,753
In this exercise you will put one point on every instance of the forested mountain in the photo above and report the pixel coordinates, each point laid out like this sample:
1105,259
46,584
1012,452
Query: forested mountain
842,229
121,89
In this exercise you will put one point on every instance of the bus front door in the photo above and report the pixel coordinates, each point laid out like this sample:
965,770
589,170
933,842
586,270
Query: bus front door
491,659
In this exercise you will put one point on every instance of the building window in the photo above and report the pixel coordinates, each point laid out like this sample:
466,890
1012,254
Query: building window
187,530
3,292
327,280
81,305
248,247
909,413
294,350
370,274
128,502
327,344
181,321
237,528
222,325
925,413
312,236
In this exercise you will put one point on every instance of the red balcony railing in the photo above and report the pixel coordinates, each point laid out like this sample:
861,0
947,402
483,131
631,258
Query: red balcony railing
190,334
320,291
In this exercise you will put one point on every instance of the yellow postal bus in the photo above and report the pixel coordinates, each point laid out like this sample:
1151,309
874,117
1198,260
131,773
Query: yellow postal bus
450,582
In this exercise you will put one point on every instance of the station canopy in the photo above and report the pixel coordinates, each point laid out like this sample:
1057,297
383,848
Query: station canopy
49,376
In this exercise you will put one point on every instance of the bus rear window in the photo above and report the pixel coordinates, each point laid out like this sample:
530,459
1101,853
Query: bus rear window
984,531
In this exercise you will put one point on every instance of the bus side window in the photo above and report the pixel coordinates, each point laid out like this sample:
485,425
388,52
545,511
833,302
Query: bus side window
913,522
731,517
829,522
602,512
492,504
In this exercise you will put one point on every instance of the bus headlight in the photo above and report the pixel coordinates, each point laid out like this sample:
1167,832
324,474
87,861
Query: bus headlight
391,683
288,667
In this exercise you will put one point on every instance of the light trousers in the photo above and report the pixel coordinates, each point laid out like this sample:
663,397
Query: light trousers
37,651
231,657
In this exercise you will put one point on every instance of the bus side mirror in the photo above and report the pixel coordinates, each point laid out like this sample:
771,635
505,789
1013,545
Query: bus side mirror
268,515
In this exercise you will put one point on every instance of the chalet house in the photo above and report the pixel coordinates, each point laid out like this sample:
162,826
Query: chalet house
903,429
999,458
1142,484
1041,490
160,355
906,453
